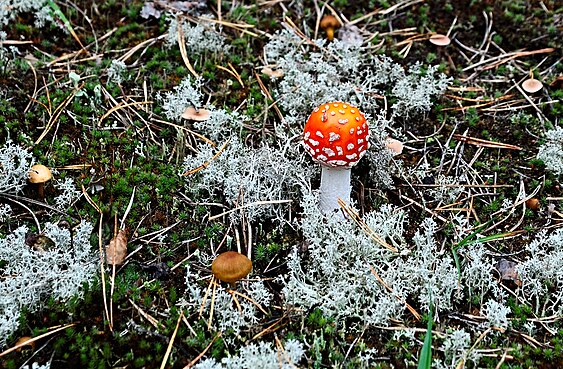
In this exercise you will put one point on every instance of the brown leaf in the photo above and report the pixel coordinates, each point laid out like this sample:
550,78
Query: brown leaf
507,271
117,248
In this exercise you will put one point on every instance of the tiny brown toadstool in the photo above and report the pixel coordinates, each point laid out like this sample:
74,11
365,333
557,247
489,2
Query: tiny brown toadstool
38,175
532,85
533,203
273,73
23,343
199,115
394,145
230,267
440,40
329,24
336,135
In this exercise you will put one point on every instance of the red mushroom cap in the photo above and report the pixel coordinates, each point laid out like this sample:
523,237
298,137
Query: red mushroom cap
336,134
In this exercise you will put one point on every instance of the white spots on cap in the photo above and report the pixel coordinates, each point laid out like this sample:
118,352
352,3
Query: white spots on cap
351,131
360,141
321,157
333,136
316,109
359,131
306,135
339,150
350,146
319,134
362,153
333,113
313,142
341,111
353,111
324,118
342,121
364,125
311,151
326,107
344,106
335,105
353,156
337,163
357,119
329,152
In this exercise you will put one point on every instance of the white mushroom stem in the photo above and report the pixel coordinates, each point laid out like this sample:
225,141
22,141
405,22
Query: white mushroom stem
335,184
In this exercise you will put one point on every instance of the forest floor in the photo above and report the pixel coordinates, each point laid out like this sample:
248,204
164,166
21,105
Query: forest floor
82,94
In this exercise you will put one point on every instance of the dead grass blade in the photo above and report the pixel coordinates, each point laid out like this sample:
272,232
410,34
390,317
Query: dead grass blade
501,59
41,336
485,143
183,52
204,165
171,343
120,106
201,137
207,290
101,249
272,327
482,102
364,227
54,115
249,205
212,305
145,315
200,355
409,308
232,71
233,292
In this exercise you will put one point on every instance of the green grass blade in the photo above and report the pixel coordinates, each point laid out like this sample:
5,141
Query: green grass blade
425,359
57,13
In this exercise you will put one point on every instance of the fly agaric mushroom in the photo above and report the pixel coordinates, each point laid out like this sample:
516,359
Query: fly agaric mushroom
337,136
38,175
329,23
230,267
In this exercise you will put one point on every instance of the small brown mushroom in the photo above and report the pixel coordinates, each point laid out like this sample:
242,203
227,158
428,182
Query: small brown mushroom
440,40
230,267
38,175
532,85
274,73
198,115
329,24
533,203
22,343
394,145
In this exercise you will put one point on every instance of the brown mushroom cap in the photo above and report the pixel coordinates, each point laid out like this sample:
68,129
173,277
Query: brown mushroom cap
231,266
39,174
394,145
532,85
440,40
198,115
274,73
22,343
329,23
